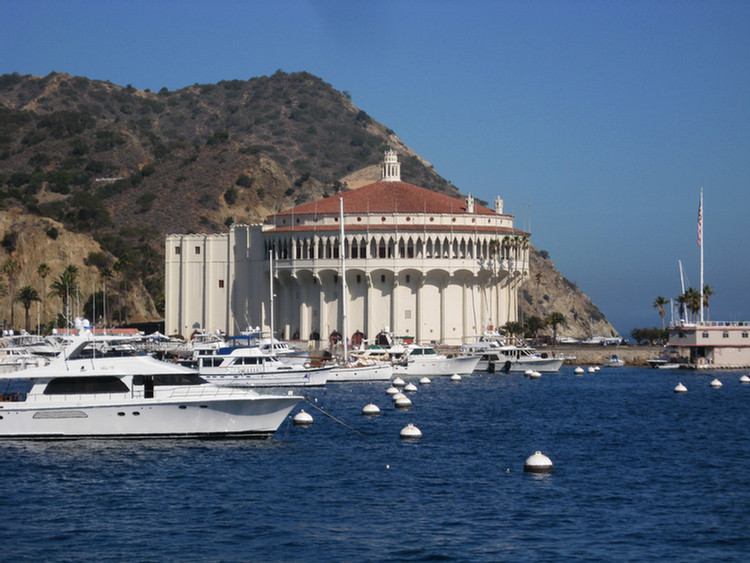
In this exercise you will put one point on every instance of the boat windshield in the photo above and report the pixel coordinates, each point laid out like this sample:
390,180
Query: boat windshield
172,379
85,385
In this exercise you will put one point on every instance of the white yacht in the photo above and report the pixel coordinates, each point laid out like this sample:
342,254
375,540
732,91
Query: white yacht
248,366
496,355
101,389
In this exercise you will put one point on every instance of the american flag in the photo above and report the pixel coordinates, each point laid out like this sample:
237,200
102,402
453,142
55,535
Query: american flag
700,222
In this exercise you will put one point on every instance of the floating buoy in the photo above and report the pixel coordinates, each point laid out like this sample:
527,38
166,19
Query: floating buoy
680,388
528,373
745,379
303,419
578,371
403,402
410,432
538,463
398,382
397,396
410,388
535,375
597,368
592,369
455,377
370,410
424,381
716,383
391,390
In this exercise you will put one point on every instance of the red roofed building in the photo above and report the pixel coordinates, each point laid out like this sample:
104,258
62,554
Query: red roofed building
423,264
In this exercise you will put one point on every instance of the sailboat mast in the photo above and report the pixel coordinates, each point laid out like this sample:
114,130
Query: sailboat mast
343,279
270,285
700,244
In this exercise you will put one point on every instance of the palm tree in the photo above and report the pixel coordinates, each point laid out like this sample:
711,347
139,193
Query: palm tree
554,319
27,295
512,328
659,303
708,291
11,268
533,325
43,270
692,300
65,286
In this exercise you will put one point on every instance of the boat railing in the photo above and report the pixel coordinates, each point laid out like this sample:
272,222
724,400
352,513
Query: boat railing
709,324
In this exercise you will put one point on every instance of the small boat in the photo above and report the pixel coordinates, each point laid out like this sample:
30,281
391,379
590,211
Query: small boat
614,362
101,388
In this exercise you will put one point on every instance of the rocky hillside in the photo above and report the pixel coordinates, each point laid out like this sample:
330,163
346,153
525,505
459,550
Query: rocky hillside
94,174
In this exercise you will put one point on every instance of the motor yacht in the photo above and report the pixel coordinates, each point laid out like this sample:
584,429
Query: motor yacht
100,388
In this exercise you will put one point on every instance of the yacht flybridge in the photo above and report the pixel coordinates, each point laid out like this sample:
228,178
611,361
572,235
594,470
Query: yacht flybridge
102,388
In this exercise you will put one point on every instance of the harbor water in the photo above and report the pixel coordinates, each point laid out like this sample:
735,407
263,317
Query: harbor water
640,473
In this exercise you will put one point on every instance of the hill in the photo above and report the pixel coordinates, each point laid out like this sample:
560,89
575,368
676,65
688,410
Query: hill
120,167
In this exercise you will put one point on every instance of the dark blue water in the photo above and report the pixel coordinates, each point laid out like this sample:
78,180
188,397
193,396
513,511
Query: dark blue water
641,473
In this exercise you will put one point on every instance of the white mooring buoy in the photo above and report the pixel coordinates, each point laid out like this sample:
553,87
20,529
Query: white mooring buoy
303,419
745,379
680,388
391,390
538,463
592,369
455,377
535,375
370,410
410,388
425,380
397,396
715,384
578,370
403,402
528,373
398,382
410,432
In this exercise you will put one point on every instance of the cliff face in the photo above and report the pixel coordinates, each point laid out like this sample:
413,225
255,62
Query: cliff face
95,175
547,291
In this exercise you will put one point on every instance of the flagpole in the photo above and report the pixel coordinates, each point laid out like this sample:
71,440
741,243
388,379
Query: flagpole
700,243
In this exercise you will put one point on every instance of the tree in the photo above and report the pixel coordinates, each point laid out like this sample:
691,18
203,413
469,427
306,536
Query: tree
554,319
659,303
533,325
512,328
692,300
63,287
27,295
11,269
707,292
43,270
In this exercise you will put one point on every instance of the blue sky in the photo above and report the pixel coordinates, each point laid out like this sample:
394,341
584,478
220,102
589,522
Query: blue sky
596,122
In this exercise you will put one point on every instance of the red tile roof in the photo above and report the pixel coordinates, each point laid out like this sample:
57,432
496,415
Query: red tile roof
387,197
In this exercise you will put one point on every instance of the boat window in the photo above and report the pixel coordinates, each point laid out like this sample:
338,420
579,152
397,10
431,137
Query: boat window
85,385
172,379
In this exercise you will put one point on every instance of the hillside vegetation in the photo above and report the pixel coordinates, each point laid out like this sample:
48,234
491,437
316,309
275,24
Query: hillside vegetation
119,168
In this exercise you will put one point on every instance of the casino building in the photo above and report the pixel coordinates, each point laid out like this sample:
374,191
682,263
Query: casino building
423,264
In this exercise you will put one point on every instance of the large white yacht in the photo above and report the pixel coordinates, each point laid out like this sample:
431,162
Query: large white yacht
495,355
102,389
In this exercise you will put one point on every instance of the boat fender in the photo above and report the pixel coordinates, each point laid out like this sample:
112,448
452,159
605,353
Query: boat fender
507,366
491,367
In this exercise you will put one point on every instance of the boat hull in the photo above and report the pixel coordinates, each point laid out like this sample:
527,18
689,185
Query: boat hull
544,365
462,365
293,378
257,417
378,372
